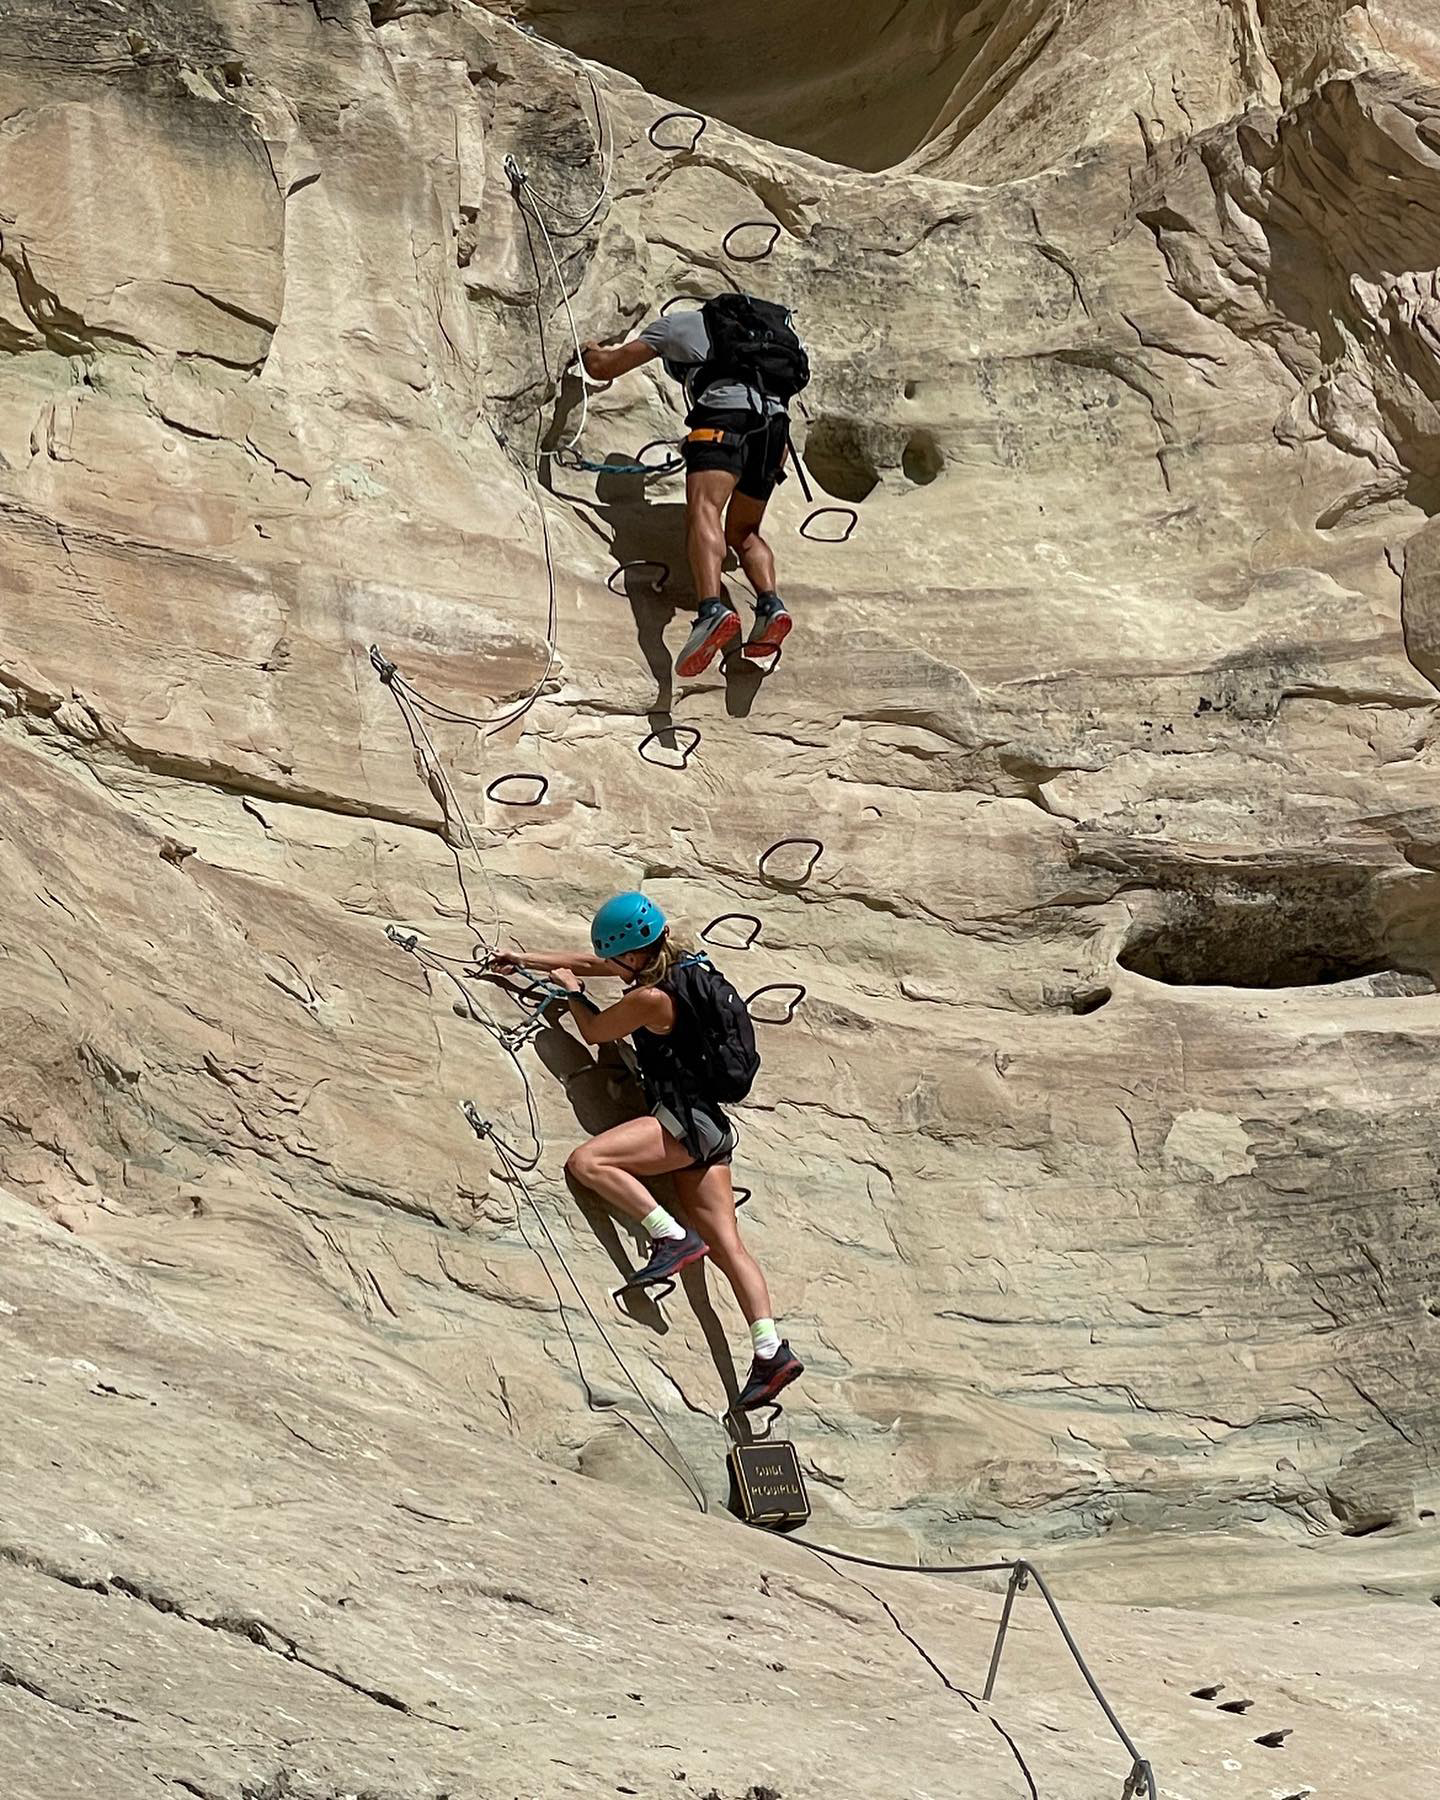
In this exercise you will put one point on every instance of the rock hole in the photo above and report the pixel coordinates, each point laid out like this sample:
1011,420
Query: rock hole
836,456
912,388
1089,1000
1305,930
1367,1526
923,459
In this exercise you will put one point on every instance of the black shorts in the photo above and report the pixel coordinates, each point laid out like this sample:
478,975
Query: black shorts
713,1140
754,448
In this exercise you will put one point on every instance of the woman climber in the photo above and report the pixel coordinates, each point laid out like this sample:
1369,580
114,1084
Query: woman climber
695,1047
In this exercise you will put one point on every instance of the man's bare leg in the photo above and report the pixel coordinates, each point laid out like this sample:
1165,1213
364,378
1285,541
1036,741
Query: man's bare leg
742,533
743,519
707,494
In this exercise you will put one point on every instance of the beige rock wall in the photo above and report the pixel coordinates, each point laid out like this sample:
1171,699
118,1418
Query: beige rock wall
1096,1173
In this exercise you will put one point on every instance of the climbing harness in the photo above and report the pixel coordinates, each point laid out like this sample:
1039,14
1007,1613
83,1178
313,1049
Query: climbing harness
689,732
707,434
751,225
777,987
701,125
817,850
724,919
1140,1782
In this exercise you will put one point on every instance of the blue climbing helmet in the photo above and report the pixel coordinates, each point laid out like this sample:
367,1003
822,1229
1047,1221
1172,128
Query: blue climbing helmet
626,922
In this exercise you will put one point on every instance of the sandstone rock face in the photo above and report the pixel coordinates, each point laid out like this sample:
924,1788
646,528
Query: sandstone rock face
1095,1172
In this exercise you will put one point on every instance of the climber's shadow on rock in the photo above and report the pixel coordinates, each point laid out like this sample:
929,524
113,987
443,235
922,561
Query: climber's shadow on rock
647,535
743,681
647,531
602,1092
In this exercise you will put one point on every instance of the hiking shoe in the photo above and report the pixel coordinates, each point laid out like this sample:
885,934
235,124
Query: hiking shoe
768,1375
668,1256
770,630
716,624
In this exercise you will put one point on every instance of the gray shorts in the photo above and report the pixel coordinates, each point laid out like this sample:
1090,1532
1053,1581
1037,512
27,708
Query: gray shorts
709,1144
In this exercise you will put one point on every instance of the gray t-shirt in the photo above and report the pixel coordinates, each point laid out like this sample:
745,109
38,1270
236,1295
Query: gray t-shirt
682,339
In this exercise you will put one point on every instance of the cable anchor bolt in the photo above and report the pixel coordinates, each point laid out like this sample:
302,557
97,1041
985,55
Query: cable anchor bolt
480,1126
1137,1782
382,665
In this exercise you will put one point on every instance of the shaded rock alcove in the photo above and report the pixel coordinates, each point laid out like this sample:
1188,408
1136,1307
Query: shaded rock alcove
853,82
1271,936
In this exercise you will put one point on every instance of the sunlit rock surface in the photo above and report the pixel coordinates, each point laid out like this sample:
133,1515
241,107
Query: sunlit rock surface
1096,1173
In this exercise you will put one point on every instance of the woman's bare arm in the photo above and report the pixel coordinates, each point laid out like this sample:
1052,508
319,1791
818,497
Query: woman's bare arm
647,1006
545,962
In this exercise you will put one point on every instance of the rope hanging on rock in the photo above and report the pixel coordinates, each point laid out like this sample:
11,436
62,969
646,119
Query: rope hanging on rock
1140,1781
515,1173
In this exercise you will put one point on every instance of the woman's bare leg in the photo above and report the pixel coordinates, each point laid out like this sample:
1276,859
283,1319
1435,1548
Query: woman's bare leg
611,1164
708,1201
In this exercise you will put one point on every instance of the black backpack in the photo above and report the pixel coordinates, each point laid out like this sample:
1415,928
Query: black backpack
754,341
714,1045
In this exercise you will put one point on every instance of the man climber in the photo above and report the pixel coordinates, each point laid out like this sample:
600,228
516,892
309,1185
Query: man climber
739,362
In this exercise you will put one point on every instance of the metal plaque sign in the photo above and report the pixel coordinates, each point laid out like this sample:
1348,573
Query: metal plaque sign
767,1484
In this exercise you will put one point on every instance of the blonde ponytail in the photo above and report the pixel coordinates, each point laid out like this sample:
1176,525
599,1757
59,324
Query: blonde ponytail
669,951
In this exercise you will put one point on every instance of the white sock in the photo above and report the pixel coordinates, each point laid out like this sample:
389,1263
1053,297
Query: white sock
765,1338
659,1225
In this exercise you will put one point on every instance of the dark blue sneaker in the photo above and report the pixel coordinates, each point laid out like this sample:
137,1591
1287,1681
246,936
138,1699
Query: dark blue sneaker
770,630
716,624
768,1375
668,1256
